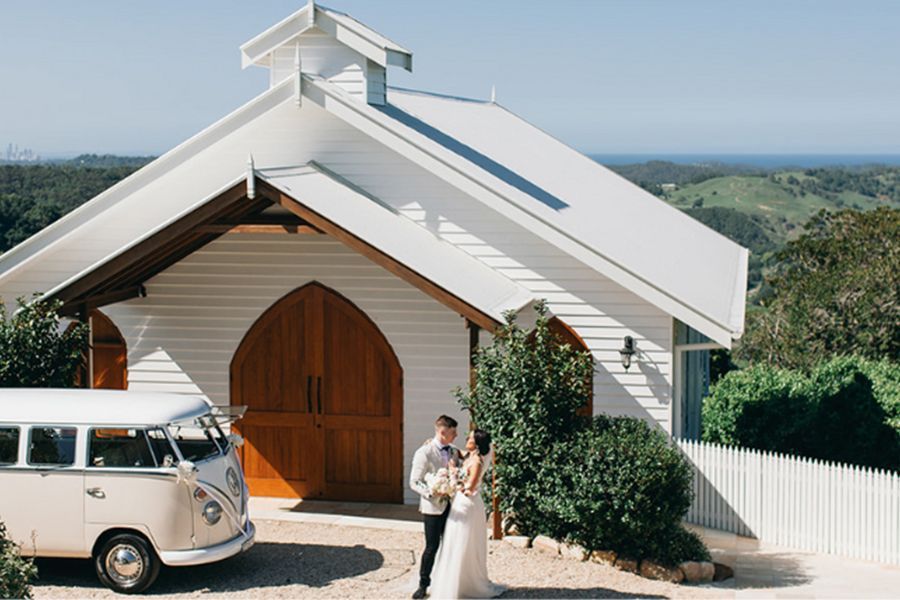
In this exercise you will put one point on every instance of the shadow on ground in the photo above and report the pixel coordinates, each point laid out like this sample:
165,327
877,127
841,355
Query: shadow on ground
265,565
763,570
556,592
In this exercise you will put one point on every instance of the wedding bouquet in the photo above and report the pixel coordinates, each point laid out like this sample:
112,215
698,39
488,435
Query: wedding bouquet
440,484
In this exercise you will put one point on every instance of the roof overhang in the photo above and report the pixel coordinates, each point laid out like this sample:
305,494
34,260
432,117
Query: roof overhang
338,25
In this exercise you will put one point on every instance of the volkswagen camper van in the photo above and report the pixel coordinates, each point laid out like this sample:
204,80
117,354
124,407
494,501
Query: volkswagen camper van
131,480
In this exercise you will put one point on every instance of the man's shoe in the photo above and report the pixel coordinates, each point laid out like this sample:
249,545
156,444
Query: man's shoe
419,593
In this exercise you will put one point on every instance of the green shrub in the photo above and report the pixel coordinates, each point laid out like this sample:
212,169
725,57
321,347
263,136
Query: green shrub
35,351
846,410
16,572
760,407
611,483
526,394
620,485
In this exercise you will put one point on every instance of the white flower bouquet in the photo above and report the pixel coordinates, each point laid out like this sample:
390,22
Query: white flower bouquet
440,484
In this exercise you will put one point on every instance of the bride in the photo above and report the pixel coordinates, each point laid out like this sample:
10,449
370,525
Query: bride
460,569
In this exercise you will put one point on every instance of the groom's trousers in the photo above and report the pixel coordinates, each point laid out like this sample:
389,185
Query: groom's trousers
434,529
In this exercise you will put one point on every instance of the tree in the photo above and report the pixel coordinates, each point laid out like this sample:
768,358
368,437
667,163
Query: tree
36,350
836,291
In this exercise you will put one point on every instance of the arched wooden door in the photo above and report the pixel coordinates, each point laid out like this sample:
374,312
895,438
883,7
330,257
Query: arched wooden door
324,394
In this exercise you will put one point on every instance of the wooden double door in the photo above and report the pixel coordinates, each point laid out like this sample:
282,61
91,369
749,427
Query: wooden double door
324,394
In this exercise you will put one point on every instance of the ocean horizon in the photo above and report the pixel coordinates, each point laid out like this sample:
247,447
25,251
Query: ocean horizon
764,161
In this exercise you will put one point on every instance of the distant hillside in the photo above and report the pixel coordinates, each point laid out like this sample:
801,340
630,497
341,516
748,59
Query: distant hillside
784,201
654,174
109,160
33,196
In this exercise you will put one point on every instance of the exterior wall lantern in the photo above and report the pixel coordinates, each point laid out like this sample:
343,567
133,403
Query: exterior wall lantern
627,351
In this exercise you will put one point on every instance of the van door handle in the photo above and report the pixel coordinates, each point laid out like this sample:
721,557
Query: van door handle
96,493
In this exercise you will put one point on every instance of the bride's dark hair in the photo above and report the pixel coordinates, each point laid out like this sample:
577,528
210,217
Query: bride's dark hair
482,441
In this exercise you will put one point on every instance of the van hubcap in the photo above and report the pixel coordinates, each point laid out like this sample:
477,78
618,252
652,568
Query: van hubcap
124,564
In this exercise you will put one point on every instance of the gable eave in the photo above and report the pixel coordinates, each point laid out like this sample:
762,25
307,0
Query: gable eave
33,247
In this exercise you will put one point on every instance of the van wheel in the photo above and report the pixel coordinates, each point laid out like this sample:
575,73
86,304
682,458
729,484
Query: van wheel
126,564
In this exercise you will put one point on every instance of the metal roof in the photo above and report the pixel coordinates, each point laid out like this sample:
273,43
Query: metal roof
643,234
97,407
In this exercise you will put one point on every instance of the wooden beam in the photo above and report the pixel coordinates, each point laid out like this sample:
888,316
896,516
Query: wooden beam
102,300
389,263
220,229
140,252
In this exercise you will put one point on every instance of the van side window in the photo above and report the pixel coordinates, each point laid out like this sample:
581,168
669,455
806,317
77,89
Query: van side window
114,447
9,445
52,446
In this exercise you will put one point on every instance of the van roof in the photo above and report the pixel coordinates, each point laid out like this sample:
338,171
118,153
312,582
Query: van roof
97,407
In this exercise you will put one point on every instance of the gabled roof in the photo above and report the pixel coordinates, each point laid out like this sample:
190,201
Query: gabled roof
340,26
650,248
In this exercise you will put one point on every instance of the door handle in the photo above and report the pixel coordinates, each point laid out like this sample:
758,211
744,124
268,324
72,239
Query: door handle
96,492
319,393
309,394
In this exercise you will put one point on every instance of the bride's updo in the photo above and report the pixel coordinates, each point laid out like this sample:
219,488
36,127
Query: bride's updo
482,441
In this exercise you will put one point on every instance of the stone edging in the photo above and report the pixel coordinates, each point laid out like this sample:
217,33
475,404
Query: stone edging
686,572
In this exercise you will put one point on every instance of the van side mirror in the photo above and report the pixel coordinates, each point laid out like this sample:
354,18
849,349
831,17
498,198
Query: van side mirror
235,439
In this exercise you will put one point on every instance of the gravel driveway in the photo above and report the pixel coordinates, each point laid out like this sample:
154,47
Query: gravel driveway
302,560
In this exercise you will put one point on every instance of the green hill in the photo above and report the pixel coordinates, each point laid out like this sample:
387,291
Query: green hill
782,202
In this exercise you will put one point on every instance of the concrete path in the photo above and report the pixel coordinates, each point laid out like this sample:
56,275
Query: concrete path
765,571
761,571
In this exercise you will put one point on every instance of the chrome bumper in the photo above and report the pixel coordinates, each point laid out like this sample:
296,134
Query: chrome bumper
210,554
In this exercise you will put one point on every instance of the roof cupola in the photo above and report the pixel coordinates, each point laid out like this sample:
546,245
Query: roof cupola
323,42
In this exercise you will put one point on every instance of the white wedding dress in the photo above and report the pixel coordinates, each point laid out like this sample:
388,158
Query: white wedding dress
460,568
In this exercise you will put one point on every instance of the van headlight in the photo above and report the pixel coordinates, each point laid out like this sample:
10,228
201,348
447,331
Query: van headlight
212,512
234,483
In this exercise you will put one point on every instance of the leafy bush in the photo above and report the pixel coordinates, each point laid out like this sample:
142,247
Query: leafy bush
845,410
16,572
526,394
759,407
35,351
621,486
611,483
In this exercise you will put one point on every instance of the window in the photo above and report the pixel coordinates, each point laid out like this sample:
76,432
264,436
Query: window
199,440
9,445
120,448
52,446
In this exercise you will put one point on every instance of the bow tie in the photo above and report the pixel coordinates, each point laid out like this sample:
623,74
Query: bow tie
445,448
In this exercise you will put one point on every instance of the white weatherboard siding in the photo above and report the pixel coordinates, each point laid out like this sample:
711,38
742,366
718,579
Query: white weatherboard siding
182,336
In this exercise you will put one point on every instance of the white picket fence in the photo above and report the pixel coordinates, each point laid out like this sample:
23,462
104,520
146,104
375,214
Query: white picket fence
796,502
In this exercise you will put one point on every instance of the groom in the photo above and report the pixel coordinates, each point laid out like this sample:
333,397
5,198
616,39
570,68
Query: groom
433,455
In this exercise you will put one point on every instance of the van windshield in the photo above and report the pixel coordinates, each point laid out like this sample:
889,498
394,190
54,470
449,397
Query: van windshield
200,439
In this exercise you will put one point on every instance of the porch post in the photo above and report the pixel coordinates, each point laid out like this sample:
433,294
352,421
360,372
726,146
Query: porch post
87,369
496,517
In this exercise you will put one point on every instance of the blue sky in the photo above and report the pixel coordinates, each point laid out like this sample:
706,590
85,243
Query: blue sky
623,76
